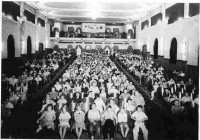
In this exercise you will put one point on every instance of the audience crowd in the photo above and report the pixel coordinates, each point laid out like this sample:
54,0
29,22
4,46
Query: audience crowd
16,90
93,95
170,87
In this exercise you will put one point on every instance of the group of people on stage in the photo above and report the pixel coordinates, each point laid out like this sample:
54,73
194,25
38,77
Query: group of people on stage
170,87
94,95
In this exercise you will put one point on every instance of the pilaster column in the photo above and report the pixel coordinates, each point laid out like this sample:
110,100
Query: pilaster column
46,21
163,25
149,19
138,35
186,10
163,12
22,9
36,18
22,28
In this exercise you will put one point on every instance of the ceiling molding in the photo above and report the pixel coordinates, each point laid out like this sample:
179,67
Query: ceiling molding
125,11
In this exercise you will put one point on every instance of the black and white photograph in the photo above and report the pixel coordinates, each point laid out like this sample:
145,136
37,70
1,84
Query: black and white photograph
100,70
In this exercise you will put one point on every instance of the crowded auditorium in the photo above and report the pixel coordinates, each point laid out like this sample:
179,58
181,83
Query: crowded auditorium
100,69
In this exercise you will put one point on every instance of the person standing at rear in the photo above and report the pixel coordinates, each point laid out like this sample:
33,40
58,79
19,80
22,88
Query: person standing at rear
139,116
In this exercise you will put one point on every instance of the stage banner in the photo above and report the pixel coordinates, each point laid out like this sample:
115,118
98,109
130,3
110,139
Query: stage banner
93,27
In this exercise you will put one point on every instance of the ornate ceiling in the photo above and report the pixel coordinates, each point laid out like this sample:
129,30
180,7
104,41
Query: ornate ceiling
94,11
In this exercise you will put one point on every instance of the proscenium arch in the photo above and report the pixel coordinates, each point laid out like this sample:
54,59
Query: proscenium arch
11,46
155,48
29,47
173,51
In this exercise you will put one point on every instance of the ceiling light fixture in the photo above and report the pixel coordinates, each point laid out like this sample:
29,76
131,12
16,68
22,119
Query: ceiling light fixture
94,10
94,14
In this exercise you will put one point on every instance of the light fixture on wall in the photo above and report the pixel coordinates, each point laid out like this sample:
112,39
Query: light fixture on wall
39,25
184,48
159,21
9,16
179,18
166,19
21,19
94,14
3,14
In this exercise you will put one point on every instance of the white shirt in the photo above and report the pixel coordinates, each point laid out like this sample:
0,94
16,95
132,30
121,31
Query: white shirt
113,90
22,89
13,81
46,73
186,99
94,89
9,105
139,100
108,115
58,86
196,100
66,74
115,108
55,67
99,104
122,117
64,116
138,116
129,107
109,85
62,101
94,114
13,98
38,79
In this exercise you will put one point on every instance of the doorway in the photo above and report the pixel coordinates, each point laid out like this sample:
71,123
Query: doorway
155,49
173,51
144,51
10,47
29,47
41,50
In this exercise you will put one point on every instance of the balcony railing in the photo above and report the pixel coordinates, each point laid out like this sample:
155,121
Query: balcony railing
65,39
